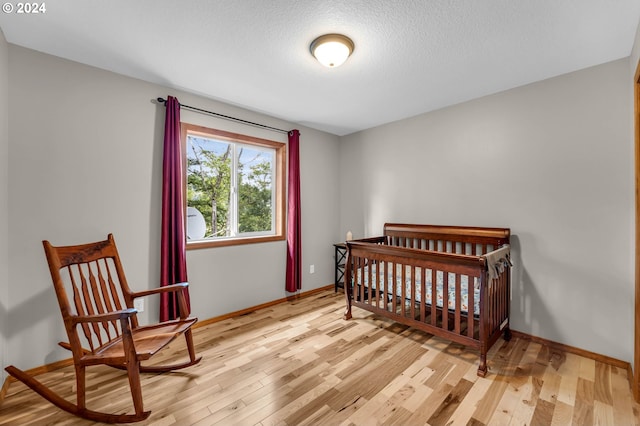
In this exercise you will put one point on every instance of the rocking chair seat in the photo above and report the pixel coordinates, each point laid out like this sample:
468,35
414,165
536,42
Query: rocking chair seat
148,340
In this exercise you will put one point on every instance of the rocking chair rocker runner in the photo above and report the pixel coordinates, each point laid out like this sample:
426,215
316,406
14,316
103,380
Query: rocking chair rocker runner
103,318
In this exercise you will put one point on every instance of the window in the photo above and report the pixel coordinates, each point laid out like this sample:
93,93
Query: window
234,188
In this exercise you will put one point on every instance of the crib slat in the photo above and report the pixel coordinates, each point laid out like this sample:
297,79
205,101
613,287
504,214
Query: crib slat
393,286
413,291
382,273
501,298
470,305
499,294
445,300
505,292
434,297
403,290
374,293
458,303
369,280
423,295
492,298
491,317
361,287
498,301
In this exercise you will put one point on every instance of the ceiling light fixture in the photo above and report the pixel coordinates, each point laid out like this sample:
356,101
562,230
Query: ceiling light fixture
331,50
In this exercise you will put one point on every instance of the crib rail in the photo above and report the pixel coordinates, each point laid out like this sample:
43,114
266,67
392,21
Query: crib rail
473,241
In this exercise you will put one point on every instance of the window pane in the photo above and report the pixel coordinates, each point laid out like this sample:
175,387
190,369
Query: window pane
255,190
209,184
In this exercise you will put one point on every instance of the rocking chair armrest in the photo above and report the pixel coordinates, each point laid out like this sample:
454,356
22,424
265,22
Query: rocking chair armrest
172,288
110,316
158,290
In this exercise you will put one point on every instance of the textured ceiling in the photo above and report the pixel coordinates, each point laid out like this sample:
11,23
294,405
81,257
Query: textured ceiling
411,56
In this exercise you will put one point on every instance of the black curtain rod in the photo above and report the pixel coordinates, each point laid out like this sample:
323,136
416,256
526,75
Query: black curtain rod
227,117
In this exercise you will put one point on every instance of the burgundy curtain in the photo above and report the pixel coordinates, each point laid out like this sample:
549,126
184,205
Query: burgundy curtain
173,259
294,227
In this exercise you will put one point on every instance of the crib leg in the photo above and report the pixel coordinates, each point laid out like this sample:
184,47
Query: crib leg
507,334
347,311
482,368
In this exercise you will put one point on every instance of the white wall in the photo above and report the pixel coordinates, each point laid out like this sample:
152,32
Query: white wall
4,198
553,161
86,157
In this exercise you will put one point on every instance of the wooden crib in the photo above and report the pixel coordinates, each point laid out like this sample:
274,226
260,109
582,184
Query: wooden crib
466,268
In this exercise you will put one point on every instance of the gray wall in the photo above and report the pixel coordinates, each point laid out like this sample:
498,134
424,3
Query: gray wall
635,52
4,199
86,156
553,161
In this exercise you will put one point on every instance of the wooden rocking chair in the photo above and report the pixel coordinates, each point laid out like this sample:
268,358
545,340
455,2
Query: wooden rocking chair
103,318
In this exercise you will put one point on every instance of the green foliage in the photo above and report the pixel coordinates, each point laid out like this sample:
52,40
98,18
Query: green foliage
208,187
254,199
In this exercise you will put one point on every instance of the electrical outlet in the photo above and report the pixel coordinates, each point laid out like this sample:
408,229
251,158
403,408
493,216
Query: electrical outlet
312,269
138,304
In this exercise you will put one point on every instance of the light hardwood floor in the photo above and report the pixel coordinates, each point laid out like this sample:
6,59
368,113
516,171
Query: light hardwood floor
299,363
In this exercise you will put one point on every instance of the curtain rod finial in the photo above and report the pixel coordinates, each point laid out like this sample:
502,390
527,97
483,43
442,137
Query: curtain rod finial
161,100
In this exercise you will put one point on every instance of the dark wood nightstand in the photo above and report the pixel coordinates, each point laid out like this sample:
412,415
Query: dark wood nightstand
340,259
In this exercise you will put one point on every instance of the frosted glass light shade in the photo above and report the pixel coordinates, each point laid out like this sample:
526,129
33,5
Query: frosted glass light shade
331,50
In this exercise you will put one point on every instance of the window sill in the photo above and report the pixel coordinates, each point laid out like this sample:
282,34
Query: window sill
195,245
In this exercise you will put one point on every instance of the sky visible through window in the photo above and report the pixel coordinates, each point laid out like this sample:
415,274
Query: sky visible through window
249,156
